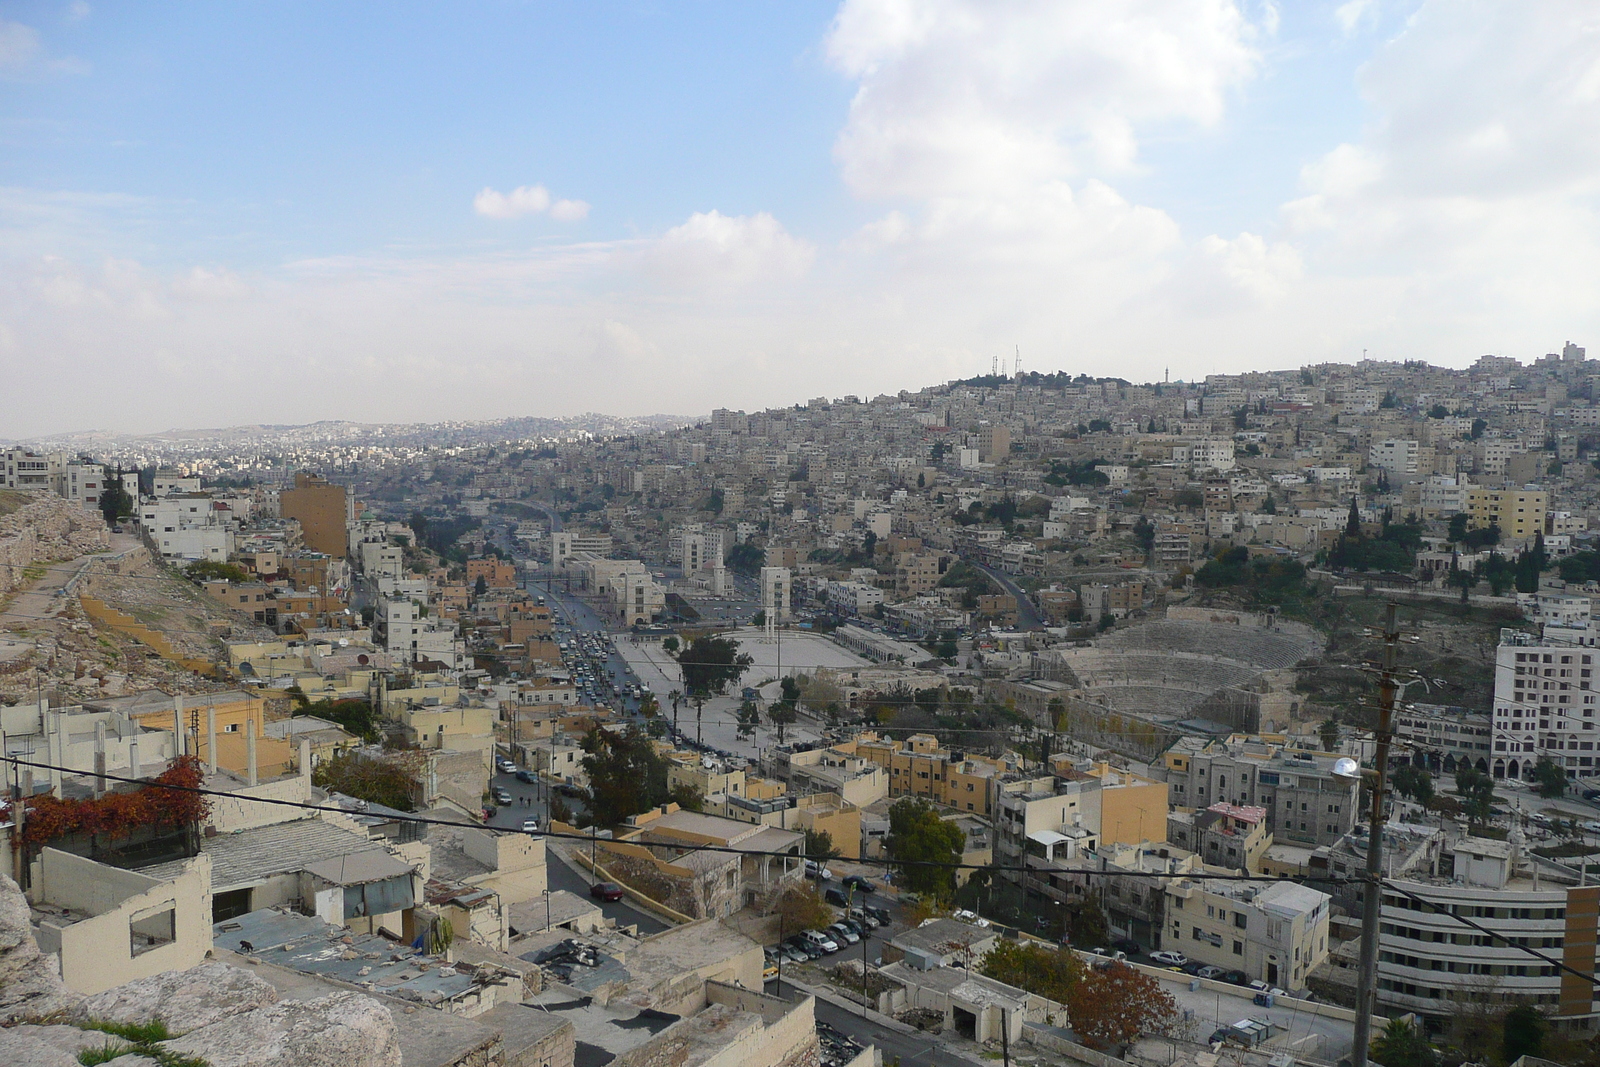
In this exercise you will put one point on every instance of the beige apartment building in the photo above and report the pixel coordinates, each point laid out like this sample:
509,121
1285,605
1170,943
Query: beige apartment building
1519,513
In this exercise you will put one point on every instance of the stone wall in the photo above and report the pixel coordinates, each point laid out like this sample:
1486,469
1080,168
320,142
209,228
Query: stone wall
47,528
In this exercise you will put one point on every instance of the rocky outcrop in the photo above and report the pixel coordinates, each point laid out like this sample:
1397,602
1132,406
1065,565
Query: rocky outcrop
30,982
342,1030
184,1000
222,1015
47,528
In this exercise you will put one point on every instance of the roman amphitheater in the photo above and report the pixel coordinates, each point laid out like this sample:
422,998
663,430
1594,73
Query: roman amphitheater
1206,670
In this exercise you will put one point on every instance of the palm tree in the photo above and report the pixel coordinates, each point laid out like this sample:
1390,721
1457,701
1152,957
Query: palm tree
676,696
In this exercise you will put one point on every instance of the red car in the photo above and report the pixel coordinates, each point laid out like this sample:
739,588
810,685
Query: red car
606,891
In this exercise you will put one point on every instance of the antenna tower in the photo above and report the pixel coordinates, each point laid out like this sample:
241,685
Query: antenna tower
1019,361
994,366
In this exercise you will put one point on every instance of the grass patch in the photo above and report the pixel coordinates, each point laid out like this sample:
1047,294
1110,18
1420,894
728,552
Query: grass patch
111,1050
143,1039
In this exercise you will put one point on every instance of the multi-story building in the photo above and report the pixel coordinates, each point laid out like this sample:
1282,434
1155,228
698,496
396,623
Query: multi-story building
922,768
1394,456
323,511
777,591
994,442
1544,701
1117,600
1432,964
1443,738
1519,513
1307,804
1223,835
1275,934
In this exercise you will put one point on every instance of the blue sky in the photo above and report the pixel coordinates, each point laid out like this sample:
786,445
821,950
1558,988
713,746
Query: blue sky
753,203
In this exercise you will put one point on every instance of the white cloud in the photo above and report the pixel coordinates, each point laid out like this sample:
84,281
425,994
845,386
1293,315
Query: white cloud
711,247
569,210
22,54
959,96
1353,14
78,10
523,200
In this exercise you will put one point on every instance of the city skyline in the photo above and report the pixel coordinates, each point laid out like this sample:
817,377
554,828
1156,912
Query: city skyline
544,210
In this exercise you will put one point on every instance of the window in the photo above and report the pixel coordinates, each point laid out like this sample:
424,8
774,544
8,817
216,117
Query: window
152,930
1238,948
1240,920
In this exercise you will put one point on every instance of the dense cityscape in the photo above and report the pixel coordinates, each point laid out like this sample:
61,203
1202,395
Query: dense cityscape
1029,715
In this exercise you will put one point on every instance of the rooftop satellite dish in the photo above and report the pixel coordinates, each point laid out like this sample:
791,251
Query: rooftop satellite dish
362,659
1345,767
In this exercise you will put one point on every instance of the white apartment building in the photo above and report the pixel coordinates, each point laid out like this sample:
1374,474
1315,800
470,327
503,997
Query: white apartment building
1442,496
853,598
565,544
1429,963
72,478
1212,453
168,483
1276,934
1393,455
777,592
1544,701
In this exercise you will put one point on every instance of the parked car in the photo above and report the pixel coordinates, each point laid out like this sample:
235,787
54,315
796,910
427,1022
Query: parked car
817,871
821,940
792,954
1128,945
501,796
881,914
857,928
864,919
1235,977
970,917
1109,953
835,897
807,948
843,935
606,891
506,766
1208,971
530,825
1169,959
857,882
526,776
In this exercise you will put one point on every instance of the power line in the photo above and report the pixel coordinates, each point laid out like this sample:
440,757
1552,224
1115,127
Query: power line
564,836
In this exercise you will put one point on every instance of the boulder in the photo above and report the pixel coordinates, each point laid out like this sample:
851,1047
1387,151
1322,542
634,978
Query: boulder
184,1000
30,982
17,1046
69,1039
342,1030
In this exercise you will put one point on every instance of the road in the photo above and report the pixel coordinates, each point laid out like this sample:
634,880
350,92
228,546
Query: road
1028,618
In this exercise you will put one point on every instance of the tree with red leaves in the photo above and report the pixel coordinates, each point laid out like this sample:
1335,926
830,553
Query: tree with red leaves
1112,1007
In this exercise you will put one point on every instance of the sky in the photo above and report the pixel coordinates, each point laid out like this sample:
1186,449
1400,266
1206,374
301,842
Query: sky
226,213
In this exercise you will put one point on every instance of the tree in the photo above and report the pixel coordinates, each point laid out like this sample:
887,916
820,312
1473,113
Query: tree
481,586
746,558
210,570
1403,1044
1111,1008
919,844
1352,522
1040,969
688,797
669,645
353,715
782,714
1414,782
390,781
1476,790
749,717
1328,734
1523,1033
115,500
711,664
801,908
759,619
625,774
1458,527
649,706
819,845
1550,779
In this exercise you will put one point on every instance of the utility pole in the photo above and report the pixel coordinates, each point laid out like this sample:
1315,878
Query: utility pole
1372,894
